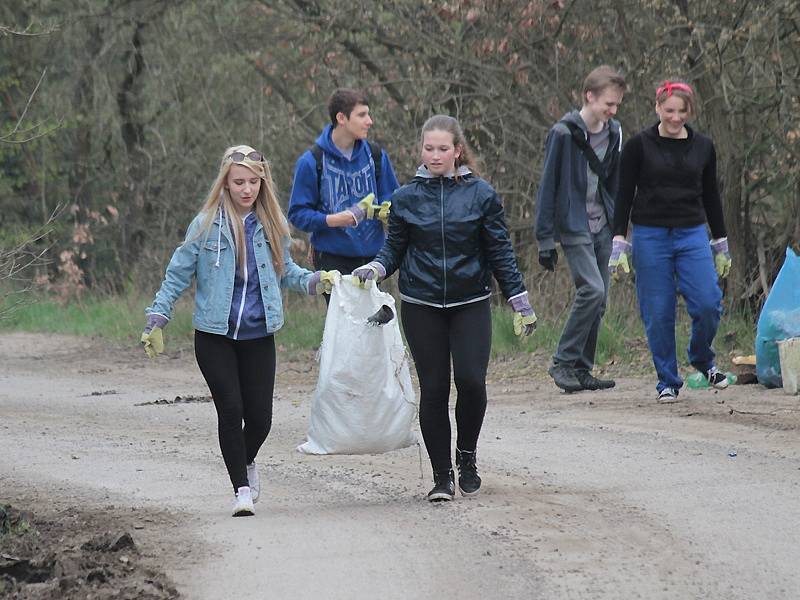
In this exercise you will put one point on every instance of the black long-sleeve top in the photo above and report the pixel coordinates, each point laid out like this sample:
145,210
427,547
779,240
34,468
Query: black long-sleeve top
667,182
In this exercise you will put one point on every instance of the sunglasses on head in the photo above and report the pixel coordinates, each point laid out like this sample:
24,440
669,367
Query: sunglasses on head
240,156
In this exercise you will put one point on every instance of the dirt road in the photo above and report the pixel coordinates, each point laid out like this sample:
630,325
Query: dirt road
590,495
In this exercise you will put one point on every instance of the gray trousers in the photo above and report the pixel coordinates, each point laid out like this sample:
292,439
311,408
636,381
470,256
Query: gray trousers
588,264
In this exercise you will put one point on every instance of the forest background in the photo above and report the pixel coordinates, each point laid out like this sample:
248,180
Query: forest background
114,114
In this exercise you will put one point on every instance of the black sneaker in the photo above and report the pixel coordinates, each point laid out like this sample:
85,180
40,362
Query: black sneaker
668,395
716,379
590,382
564,377
469,482
444,487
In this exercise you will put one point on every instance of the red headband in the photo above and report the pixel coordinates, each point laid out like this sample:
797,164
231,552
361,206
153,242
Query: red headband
669,87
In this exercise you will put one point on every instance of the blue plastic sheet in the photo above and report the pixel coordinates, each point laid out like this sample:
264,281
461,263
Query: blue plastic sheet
779,320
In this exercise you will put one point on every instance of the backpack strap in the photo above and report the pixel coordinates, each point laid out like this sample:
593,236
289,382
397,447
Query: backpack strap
374,150
580,140
316,152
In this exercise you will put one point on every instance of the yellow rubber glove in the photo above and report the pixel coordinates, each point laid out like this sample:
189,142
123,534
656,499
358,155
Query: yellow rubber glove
524,325
366,205
153,342
383,212
722,257
723,265
327,280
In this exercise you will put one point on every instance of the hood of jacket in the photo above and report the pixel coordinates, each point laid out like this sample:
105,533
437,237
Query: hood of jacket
614,127
422,171
325,141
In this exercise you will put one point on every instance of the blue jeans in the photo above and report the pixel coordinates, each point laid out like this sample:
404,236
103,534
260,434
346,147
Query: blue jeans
669,261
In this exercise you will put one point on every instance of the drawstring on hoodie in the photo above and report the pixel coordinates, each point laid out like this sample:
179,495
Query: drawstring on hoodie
219,235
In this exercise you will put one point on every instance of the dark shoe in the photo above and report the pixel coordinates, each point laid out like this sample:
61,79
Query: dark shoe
668,395
444,487
716,379
469,482
590,382
564,377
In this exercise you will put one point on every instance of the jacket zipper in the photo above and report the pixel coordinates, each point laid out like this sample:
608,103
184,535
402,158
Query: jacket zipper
246,277
444,246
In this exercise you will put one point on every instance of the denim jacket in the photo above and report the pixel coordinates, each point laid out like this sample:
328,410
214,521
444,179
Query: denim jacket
211,259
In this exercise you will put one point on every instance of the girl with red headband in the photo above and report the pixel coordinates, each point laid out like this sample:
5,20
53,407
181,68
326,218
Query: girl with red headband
669,192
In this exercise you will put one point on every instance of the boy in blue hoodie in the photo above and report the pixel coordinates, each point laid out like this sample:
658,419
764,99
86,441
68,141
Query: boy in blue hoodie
328,187
575,207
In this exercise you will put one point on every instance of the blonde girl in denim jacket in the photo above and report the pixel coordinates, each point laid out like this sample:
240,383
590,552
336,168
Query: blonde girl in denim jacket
237,249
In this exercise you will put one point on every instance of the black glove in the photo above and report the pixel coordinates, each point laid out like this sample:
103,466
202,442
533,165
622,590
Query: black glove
548,259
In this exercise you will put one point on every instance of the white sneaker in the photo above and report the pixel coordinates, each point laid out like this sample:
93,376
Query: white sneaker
254,481
243,507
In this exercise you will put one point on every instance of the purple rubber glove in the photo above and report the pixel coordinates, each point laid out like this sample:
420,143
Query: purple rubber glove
524,317
371,271
359,214
363,209
521,305
155,320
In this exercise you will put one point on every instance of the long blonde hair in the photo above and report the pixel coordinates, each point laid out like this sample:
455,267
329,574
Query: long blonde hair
267,208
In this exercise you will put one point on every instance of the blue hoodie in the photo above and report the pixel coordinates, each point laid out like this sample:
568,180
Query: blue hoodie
343,183
247,319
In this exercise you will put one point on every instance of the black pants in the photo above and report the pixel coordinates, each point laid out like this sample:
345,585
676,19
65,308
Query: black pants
241,377
325,261
434,335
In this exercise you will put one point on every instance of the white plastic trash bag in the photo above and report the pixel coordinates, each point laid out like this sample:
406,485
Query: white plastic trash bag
364,402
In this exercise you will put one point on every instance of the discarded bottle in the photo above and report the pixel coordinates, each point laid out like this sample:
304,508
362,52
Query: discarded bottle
698,381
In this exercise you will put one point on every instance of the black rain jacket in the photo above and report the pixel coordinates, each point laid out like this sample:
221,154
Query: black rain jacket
447,237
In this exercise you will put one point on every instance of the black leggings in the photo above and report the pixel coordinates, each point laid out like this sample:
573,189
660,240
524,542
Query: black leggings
433,336
241,377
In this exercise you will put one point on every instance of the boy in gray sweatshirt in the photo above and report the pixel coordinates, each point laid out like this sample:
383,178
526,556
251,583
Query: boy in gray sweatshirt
575,207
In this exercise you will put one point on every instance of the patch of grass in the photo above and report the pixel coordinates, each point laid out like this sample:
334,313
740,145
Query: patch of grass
617,330
304,320
621,338
118,318
736,336
122,318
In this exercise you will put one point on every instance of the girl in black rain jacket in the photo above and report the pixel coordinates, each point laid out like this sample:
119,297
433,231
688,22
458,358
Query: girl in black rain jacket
448,236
